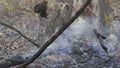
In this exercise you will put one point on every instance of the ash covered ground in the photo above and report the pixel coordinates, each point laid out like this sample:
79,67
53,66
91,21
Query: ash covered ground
77,47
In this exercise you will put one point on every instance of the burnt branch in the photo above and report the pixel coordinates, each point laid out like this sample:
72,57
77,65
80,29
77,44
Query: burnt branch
59,32
100,38
6,25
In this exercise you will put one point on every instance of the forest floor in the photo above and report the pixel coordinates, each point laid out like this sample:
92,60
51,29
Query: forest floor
28,23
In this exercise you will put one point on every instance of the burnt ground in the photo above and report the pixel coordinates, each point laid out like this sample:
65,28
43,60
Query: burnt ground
23,18
86,57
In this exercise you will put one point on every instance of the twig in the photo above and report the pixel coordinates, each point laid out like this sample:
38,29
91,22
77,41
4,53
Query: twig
59,32
6,25
14,41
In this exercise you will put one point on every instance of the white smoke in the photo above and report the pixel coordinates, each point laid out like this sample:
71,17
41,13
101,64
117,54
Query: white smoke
65,41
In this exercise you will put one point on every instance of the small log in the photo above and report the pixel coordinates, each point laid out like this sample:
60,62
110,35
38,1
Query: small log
12,61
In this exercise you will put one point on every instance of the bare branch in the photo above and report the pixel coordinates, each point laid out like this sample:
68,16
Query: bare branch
59,32
6,25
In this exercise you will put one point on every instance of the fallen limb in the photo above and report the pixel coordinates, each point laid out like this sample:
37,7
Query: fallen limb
6,25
